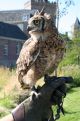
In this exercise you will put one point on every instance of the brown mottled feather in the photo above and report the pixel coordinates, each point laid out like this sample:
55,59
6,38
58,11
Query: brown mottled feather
39,53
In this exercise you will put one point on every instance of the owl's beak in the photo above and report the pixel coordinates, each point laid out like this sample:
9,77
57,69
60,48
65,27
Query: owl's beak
29,28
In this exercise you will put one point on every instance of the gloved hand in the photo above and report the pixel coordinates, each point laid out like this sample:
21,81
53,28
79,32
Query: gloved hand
38,106
34,108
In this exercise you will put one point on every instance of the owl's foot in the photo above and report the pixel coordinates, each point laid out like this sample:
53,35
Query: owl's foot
24,86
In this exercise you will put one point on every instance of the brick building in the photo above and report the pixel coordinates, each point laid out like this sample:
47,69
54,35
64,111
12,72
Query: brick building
17,17
12,40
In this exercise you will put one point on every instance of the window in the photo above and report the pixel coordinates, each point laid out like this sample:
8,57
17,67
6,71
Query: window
18,47
5,51
36,0
25,17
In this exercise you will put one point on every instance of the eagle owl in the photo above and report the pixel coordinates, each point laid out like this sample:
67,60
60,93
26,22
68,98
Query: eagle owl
42,52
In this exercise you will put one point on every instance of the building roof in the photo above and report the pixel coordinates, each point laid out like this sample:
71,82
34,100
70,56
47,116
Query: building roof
77,23
12,31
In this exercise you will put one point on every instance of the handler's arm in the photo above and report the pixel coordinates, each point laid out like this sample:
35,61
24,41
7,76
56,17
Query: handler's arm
7,118
17,113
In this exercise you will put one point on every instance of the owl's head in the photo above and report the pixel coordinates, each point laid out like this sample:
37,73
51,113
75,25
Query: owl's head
40,22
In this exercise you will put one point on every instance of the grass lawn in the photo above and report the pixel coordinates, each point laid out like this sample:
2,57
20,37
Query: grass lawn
72,106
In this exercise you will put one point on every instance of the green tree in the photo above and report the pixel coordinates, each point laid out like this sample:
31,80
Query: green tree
62,8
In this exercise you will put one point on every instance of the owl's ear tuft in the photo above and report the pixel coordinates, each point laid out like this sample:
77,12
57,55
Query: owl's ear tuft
42,11
48,16
36,13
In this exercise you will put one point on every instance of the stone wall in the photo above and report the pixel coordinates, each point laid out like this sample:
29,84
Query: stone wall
13,16
17,17
49,7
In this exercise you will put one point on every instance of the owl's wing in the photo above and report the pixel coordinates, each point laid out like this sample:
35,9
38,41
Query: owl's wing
27,57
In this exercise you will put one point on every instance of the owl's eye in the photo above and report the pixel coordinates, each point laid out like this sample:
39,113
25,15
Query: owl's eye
36,22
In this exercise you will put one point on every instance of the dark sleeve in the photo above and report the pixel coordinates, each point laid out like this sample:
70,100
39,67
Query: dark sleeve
18,113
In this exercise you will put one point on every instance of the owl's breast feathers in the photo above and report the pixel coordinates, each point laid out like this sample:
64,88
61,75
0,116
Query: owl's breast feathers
28,55
42,54
51,53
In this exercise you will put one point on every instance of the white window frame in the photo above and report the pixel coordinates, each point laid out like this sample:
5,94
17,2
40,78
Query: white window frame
5,51
26,17
18,47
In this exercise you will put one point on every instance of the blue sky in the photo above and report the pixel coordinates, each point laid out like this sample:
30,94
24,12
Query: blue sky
65,22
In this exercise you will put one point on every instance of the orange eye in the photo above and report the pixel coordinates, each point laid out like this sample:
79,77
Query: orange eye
36,22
